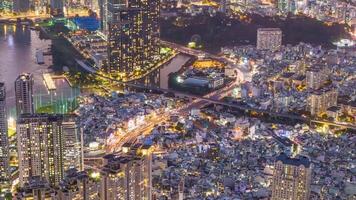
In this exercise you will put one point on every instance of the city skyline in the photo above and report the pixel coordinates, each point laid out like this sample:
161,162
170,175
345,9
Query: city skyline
160,99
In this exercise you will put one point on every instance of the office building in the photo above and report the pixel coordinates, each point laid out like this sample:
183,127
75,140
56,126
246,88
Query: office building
78,185
36,188
317,76
132,34
128,176
291,178
24,94
320,100
269,38
42,141
4,142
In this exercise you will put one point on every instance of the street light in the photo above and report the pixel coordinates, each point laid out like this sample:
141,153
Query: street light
179,79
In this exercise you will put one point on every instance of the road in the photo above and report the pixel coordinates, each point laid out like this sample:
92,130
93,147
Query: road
144,129
215,99
200,101
149,125
245,108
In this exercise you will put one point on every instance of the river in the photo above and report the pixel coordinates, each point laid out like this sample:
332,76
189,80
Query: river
18,46
173,66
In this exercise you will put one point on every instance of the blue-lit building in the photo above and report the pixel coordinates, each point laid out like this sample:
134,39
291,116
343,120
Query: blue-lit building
86,23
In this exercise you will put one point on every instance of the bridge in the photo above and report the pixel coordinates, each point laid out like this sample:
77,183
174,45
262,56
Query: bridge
230,105
215,98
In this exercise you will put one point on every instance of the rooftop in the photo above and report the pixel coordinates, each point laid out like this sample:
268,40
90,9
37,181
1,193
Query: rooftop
269,29
298,161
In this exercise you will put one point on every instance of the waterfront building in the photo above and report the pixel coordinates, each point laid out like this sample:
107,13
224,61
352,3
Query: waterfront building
291,178
4,142
320,100
43,147
128,176
132,34
269,38
24,94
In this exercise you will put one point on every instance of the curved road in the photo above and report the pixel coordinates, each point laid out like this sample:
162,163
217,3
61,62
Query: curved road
210,99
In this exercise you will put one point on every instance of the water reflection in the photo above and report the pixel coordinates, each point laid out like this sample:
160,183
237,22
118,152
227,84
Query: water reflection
18,46
159,77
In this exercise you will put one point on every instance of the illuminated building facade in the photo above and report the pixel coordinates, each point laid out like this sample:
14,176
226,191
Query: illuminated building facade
4,142
128,176
24,94
291,178
316,77
78,185
269,38
72,142
320,100
42,141
132,33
